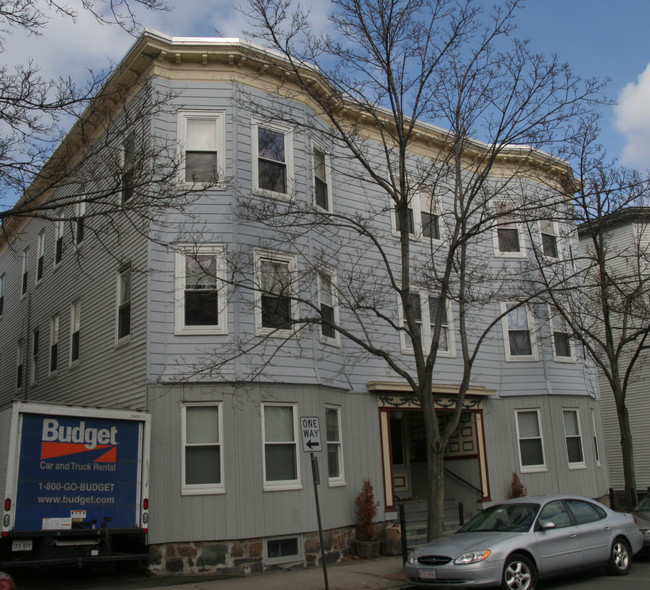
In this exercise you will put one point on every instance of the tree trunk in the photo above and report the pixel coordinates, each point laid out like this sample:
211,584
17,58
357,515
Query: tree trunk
627,450
436,500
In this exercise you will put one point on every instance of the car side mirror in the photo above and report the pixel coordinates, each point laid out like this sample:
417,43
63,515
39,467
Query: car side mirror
547,524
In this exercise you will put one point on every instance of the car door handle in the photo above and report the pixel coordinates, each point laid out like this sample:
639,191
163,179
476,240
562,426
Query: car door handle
607,527
573,534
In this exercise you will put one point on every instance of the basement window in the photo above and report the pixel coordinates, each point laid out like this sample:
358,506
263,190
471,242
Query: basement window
283,549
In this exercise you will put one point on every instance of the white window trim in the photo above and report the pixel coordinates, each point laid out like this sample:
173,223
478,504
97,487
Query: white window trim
288,154
218,250
336,340
219,116
427,333
40,258
556,358
35,354
259,255
556,233
118,295
202,489
333,482
289,484
506,336
577,464
75,317
597,449
3,286
55,329
79,214
432,203
299,557
414,205
521,237
59,229
530,468
24,281
20,365
315,146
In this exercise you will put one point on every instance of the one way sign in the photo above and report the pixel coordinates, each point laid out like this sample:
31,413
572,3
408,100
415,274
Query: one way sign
310,429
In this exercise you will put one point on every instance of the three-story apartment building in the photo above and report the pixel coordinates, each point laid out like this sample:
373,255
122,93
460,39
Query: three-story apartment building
194,321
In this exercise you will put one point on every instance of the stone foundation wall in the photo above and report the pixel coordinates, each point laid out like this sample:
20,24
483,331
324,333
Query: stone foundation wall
246,556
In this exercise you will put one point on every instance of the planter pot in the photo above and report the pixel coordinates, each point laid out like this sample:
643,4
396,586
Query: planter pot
391,547
367,549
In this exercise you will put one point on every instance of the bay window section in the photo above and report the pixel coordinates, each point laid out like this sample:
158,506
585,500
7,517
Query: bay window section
573,438
548,230
328,309
562,345
124,304
280,447
75,332
202,449
272,159
530,440
201,299
518,332
322,193
275,310
202,140
335,474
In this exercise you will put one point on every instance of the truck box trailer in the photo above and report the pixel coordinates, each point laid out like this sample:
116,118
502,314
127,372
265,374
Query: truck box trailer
76,484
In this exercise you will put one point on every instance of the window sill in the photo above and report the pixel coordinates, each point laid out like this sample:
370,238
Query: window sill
122,342
203,490
282,486
262,192
564,359
534,469
577,466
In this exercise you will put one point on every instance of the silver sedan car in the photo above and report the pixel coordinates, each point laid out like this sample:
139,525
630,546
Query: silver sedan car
514,543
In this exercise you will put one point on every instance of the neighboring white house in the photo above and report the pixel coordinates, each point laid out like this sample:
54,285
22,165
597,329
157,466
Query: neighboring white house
128,323
628,246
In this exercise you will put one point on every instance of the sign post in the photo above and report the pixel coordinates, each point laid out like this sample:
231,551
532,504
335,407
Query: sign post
310,430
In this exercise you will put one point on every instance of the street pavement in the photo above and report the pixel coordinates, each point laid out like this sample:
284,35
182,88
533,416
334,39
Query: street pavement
384,573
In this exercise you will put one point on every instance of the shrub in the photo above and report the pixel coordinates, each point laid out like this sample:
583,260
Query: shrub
366,511
517,489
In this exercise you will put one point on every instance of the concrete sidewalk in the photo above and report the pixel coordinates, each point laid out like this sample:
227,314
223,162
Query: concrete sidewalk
359,574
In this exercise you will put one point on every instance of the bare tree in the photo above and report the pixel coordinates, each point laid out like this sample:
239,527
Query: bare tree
393,68
35,112
607,309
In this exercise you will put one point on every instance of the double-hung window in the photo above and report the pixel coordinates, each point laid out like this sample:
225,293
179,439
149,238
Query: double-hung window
54,345
276,308
562,345
75,331
2,293
531,442
518,332
58,240
201,300
508,240
328,307
335,475
426,308
573,437
124,303
280,446
430,226
202,457
20,364
25,275
79,222
40,261
595,437
202,136
322,184
272,159
128,168
548,231
33,373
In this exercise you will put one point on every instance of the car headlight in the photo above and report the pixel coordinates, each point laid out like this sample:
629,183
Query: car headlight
472,557
410,558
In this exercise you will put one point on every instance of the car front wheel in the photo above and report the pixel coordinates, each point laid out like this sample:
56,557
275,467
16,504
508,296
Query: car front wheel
620,559
519,573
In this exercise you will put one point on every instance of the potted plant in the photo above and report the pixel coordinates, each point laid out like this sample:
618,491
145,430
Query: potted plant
367,542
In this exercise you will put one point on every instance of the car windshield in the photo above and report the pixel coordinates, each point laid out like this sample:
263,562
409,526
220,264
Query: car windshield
644,504
506,518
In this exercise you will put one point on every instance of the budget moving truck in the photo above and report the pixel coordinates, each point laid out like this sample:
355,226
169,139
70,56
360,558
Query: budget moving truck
75,482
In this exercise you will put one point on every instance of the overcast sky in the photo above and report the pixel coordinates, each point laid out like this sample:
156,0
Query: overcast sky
604,38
